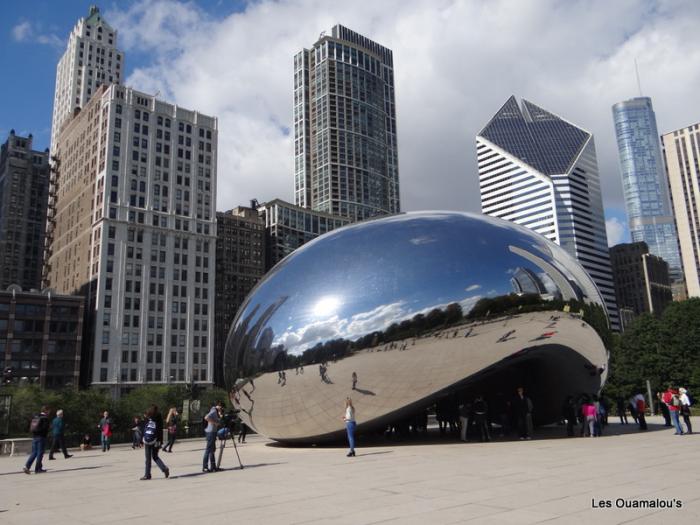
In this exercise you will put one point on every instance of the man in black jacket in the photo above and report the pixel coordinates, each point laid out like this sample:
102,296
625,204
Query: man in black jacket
39,427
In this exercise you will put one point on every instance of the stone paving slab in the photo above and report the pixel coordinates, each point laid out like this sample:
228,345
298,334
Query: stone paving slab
549,480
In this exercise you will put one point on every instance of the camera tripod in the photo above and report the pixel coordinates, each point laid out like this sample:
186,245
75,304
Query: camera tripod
222,445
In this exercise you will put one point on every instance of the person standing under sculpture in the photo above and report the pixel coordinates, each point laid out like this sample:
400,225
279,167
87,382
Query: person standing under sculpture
523,410
481,417
350,424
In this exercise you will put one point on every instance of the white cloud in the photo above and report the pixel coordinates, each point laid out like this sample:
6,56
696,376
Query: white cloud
456,62
26,32
615,230
472,287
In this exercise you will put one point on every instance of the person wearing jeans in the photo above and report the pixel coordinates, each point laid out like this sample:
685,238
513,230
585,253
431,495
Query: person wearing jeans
105,426
673,402
350,424
39,429
212,419
151,449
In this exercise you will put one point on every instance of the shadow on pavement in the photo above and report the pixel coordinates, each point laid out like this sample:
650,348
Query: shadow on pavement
197,474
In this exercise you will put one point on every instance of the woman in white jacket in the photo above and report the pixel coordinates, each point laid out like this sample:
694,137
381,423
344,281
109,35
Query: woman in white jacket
685,410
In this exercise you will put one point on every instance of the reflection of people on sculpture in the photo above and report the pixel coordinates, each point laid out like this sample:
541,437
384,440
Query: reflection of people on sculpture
350,424
522,406
354,380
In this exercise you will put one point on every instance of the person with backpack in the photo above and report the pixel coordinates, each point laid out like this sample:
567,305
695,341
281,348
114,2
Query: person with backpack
39,428
673,402
59,441
481,417
152,434
685,409
106,427
212,420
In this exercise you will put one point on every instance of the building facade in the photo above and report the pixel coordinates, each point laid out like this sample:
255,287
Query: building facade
132,227
240,264
288,227
682,156
345,145
540,171
41,337
642,279
24,188
90,60
644,181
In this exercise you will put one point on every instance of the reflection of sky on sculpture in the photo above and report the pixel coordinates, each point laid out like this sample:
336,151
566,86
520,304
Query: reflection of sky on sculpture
370,275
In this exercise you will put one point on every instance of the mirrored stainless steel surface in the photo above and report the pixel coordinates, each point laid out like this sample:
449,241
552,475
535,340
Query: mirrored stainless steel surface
419,306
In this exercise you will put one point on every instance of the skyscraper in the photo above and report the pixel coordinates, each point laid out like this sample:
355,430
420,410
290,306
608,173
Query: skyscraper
240,264
24,189
134,230
540,171
682,156
644,181
346,160
642,281
90,60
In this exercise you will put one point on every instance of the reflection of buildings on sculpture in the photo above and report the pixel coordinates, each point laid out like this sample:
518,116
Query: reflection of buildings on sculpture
525,281
540,171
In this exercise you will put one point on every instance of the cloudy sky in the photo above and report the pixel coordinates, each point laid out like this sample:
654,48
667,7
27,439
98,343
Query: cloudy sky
456,62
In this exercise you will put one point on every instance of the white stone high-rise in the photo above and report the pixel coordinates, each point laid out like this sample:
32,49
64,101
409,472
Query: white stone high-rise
132,227
682,155
540,171
90,60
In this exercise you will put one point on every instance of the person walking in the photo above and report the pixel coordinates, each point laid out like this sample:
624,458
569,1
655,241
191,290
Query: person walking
672,400
171,422
106,426
212,418
685,409
350,425
59,441
523,410
152,434
588,411
39,427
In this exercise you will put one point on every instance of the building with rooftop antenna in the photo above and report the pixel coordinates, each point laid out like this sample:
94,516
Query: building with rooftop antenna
540,171
644,181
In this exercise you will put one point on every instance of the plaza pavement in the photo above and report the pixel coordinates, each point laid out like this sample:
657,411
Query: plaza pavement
430,481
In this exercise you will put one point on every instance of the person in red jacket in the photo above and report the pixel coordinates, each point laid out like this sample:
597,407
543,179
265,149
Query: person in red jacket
672,400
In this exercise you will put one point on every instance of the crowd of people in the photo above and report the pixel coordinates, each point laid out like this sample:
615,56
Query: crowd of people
148,432
472,419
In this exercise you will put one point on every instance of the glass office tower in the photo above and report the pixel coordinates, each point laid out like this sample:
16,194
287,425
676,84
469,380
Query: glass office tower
644,181
346,160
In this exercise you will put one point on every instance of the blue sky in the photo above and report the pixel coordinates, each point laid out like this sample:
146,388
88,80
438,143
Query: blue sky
456,62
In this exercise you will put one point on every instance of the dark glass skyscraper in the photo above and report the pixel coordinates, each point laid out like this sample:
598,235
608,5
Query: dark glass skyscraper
345,151
644,181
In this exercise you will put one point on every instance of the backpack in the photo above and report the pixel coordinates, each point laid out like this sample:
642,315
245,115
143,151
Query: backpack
675,401
150,435
35,426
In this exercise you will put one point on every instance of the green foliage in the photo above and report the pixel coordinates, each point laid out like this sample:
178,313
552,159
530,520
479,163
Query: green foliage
83,408
663,350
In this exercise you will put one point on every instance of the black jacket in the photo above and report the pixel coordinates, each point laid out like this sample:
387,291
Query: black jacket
43,428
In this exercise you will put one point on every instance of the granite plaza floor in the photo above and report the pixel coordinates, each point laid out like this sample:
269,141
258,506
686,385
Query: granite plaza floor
546,480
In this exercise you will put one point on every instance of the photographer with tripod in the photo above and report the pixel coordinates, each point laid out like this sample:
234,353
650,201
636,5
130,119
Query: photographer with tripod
227,430
212,419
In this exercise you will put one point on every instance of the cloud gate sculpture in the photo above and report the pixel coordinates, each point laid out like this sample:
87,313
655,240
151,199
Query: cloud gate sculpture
420,307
